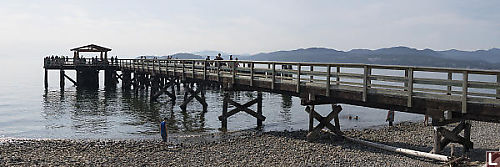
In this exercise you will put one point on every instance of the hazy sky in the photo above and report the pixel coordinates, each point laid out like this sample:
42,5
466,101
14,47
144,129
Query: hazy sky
134,28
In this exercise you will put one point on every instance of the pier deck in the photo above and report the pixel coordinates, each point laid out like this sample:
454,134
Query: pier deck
460,97
444,93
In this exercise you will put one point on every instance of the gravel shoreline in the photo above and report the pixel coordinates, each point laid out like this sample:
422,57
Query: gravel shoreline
247,149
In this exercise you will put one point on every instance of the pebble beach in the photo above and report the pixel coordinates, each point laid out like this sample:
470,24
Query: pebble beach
252,148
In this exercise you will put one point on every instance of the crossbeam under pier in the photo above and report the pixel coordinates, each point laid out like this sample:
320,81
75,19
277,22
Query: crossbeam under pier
241,107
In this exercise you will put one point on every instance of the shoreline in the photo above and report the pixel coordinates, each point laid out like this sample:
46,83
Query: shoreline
251,148
193,133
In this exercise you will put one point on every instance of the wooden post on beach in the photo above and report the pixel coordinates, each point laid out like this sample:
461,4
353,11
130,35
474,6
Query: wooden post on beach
437,141
467,129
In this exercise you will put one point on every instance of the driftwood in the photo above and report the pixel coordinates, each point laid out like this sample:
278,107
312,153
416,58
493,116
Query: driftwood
401,150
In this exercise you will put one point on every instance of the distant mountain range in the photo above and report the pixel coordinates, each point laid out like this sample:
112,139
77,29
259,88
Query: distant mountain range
480,59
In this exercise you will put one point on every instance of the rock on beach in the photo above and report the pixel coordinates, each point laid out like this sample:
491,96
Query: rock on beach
248,149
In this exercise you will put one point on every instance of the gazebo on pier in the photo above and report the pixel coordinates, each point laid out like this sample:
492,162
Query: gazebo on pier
87,69
91,48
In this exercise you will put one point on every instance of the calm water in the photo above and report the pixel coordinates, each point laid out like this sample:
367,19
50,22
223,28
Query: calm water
27,111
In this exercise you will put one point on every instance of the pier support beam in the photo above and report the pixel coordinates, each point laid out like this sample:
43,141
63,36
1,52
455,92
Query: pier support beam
323,121
163,89
160,86
87,78
126,79
46,79
443,137
61,79
110,78
191,94
241,107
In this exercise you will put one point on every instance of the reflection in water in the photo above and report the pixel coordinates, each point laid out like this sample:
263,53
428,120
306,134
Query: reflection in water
82,111
286,104
126,114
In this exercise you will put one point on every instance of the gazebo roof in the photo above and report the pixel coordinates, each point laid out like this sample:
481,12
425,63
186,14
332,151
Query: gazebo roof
91,48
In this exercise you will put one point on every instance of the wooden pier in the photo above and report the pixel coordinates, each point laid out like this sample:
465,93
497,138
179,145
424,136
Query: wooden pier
447,95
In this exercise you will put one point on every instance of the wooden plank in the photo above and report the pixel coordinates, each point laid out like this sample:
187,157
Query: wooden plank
73,81
464,91
441,82
387,86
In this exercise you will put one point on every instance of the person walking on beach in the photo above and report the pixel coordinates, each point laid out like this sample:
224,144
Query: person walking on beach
390,117
163,130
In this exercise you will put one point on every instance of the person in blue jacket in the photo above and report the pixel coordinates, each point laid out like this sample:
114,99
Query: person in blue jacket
163,130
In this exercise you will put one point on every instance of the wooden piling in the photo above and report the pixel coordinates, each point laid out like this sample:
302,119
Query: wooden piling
338,75
448,88
410,87
311,118
259,109
311,77
328,73
437,141
46,79
467,136
299,67
87,78
126,79
61,79
224,111
109,78
465,83
498,86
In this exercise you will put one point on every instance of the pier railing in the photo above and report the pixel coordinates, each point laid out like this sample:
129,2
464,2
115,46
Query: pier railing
463,85
61,62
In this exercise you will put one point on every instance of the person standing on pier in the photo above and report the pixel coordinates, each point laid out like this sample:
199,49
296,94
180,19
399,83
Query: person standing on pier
163,130
207,64
390,117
